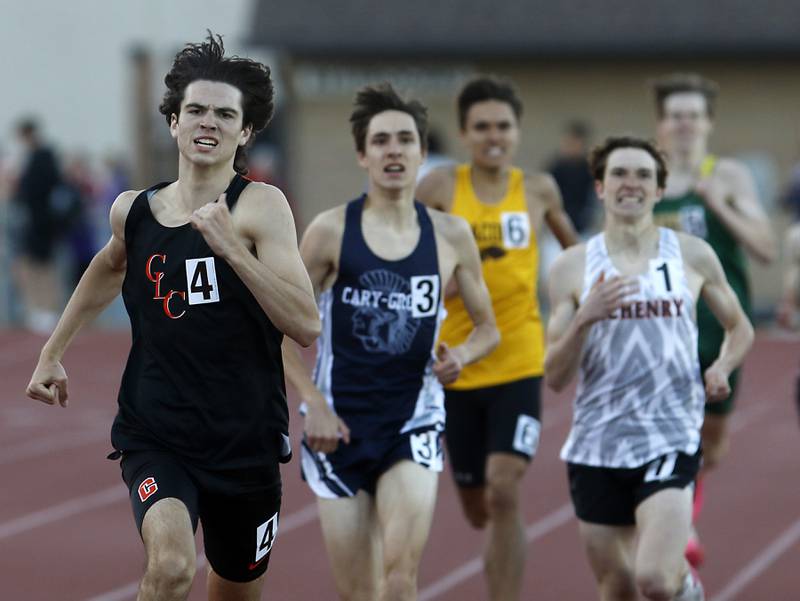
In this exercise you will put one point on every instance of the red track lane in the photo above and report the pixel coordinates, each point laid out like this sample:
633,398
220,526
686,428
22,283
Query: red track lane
66,531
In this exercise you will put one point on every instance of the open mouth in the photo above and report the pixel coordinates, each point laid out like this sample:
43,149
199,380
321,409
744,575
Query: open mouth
394,169
494,152
206,142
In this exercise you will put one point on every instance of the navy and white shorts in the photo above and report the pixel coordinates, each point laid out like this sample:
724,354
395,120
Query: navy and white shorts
359,465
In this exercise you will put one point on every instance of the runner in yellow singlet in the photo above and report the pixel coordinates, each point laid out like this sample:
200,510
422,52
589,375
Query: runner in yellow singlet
493,423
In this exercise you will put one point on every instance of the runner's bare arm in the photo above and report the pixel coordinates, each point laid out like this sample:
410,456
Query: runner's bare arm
275,275
99,285
726,308
475,295
319,250
544,187
436,189
730,193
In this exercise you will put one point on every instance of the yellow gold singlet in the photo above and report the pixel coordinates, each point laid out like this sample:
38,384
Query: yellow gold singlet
510,259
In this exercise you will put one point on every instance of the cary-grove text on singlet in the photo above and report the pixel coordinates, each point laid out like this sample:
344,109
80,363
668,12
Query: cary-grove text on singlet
640,394
380,320
204,378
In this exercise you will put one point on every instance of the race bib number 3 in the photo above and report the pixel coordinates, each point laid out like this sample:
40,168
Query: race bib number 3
424,295
201,281
516,229
426,449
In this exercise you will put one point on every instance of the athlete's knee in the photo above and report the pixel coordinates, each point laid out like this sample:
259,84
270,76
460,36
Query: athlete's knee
171,573
656,585
400,584
473,502
618,585
358,591
502,494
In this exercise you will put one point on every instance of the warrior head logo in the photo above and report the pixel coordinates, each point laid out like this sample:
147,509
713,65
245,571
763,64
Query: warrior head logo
381,329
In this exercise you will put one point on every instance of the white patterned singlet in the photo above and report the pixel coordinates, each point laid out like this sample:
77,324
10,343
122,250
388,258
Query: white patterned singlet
640,394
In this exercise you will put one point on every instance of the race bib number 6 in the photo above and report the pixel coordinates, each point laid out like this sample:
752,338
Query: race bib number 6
516,229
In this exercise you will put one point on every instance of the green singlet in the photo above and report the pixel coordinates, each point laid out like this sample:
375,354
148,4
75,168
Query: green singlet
688,214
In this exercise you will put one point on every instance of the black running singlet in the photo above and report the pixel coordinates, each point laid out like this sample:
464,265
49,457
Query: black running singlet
204,377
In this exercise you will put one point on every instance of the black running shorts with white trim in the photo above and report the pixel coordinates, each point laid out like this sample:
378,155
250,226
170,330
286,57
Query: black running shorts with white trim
610,496
496,419
239,530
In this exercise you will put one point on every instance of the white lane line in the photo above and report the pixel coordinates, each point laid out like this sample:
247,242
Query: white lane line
293,521
760,563
63,510
474,566
37,448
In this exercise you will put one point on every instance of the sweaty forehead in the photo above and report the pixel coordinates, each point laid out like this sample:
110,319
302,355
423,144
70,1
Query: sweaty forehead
214,93
490,110
631,159
685,102
391,122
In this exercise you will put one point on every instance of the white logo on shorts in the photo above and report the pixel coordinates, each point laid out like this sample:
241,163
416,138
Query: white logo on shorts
526,436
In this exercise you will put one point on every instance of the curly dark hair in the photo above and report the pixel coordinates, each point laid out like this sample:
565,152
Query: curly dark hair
483,88
600,154
207,61
371,100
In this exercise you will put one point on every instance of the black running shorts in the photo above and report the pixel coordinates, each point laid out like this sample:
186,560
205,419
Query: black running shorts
239,530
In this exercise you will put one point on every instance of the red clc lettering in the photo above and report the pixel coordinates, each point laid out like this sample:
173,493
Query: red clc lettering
155,277
168,298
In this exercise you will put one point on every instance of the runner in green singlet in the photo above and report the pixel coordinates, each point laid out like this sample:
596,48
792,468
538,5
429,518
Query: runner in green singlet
716,199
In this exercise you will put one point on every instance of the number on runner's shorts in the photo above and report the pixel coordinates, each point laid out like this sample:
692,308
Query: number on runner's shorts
661,469
426,449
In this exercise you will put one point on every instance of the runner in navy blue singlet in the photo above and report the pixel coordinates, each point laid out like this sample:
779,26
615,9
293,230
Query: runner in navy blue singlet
374,409
212,279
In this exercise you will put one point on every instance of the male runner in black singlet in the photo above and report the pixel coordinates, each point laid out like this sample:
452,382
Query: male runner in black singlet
212,279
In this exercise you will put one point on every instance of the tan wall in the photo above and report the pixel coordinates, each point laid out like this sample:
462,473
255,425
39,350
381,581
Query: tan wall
757,112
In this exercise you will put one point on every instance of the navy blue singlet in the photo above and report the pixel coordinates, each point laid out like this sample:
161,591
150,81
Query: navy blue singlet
380,322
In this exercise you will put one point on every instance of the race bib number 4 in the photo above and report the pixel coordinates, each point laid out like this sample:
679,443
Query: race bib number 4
201,281
516,229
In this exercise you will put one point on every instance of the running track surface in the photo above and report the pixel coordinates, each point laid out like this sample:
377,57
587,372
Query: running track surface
66,530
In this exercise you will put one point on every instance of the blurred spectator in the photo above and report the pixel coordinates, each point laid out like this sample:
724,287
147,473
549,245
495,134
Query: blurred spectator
41,210
437,155
79,184
570,168
791,195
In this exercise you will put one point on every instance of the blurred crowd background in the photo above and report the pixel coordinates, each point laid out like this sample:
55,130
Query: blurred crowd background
83,81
